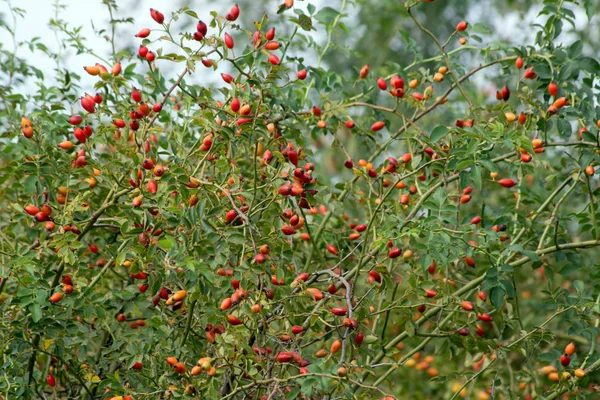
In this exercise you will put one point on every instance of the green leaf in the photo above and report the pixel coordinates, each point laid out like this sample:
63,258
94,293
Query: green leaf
568,71
579,285
326,15
575,49
590,8
409,327
476,176
497,296
307,386
305,22
166,243
589,64
36,312
293,393
570,268
489,165
237,239
370,339
564,128
437,133
532,255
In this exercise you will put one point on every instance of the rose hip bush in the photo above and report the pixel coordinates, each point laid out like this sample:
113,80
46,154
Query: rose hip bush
223,216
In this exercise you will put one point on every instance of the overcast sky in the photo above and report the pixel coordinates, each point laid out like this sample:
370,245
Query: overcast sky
93,14
89,13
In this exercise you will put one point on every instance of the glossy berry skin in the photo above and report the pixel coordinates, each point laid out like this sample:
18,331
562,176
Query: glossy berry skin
374,276
507,183
397,82
75,120
157,16
144,33
273,59
41,217
270,35
395,253
88,104
505,93
377,126
339,311
332,249
227,78
296,329
50,380
283,357
462,26
56,297
431,268
570,349
31,210
233,14
201,28
234,320
136,95
148,164
364,72
529,74
519,62
228,41
565,360
484,317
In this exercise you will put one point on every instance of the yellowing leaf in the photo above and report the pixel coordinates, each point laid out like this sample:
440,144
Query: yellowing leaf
90,377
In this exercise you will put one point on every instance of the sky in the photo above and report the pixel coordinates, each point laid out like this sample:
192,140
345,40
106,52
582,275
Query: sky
93,15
